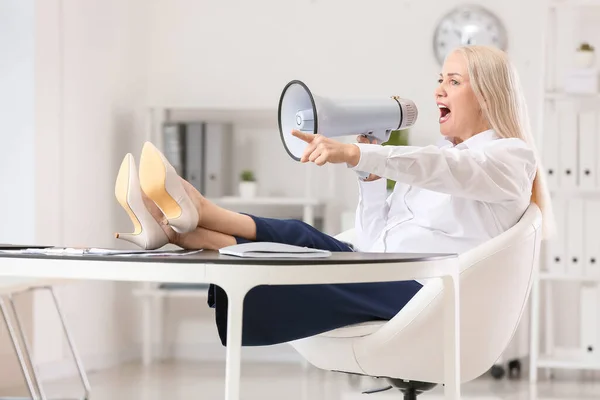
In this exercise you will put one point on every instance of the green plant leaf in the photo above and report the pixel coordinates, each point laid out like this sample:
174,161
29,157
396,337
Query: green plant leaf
247,176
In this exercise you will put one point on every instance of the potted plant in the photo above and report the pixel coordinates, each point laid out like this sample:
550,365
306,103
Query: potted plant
584,57
247,184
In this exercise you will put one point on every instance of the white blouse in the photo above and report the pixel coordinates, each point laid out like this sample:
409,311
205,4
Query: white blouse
447,199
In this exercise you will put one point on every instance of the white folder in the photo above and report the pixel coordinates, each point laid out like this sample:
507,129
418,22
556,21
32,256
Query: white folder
550,147
555,246
567,138
575,259
591,246
589,321
587,150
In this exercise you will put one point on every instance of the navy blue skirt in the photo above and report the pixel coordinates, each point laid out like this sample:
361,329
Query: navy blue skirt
282,313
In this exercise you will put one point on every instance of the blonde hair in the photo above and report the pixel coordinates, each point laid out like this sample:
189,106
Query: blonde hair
497,87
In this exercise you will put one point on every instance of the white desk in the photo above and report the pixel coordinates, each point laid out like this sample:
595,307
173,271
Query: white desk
237,276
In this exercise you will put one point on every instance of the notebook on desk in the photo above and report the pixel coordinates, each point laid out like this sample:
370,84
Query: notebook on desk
272,250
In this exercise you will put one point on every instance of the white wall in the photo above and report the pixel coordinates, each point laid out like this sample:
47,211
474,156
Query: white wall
90,84
16,112
241,54
17,156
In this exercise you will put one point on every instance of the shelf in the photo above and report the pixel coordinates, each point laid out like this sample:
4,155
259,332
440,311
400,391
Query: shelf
267,201
575,192
568,362
557,276
247,116
569,358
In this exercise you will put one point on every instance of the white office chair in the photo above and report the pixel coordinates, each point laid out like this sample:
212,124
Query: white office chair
495,279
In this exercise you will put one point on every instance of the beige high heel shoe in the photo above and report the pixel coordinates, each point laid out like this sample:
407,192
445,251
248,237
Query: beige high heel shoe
147,232
160,182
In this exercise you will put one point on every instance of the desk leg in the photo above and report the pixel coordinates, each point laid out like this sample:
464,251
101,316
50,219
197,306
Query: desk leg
452,338
17,348
34,373
235,311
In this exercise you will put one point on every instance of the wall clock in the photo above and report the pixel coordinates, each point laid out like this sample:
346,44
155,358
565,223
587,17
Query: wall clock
468,25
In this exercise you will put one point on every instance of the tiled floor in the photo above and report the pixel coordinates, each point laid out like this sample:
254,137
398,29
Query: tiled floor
178,380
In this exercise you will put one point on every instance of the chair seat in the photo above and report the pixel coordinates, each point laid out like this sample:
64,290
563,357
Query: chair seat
356,330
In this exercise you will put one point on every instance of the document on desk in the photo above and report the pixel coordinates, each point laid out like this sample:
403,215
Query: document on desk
272,250
94,251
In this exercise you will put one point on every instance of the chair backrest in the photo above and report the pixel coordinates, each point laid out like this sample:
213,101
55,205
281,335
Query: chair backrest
496,279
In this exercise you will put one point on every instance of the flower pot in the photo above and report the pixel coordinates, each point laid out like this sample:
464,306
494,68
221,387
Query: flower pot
248,189
584,59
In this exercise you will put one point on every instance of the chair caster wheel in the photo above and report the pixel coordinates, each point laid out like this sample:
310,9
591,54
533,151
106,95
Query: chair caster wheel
514,369
497,371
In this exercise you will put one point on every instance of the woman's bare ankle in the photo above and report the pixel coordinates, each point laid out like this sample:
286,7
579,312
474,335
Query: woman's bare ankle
202,238
174,237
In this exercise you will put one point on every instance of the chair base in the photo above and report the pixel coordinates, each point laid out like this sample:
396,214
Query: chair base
411,389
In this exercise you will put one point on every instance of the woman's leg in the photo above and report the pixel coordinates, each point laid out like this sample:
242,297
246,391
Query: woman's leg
280,314
200,238
250,228
219,219
239,228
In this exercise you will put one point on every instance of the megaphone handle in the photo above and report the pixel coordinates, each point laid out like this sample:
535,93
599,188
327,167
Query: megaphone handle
363,175
371,139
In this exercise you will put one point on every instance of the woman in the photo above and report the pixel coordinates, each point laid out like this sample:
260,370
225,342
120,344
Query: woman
448,198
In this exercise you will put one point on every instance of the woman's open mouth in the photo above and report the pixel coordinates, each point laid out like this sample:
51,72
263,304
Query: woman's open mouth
444,113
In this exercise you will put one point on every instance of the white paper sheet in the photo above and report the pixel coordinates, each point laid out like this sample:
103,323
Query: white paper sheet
272,250
95,251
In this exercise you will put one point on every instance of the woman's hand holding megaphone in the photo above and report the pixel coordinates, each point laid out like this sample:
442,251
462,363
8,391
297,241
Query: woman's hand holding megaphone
322,150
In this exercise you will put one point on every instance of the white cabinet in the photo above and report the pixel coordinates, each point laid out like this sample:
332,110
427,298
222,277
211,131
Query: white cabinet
569,141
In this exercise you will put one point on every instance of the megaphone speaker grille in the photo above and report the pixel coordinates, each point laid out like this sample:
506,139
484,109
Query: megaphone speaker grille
297,110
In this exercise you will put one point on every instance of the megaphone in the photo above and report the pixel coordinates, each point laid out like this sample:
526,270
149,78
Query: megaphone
375,118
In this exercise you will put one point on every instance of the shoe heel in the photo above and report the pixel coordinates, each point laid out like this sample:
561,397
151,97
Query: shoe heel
160,182
147,233
134,238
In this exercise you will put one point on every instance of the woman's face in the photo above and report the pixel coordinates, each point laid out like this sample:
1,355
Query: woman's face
460,114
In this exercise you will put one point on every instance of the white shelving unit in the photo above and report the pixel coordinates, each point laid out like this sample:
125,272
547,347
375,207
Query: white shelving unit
266,118
572,257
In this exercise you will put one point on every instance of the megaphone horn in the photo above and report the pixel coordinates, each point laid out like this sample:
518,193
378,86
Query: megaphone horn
376,118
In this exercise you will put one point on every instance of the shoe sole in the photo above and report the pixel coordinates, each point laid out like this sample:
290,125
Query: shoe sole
153,180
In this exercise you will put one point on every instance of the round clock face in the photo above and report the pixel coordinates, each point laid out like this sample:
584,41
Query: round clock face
467,25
